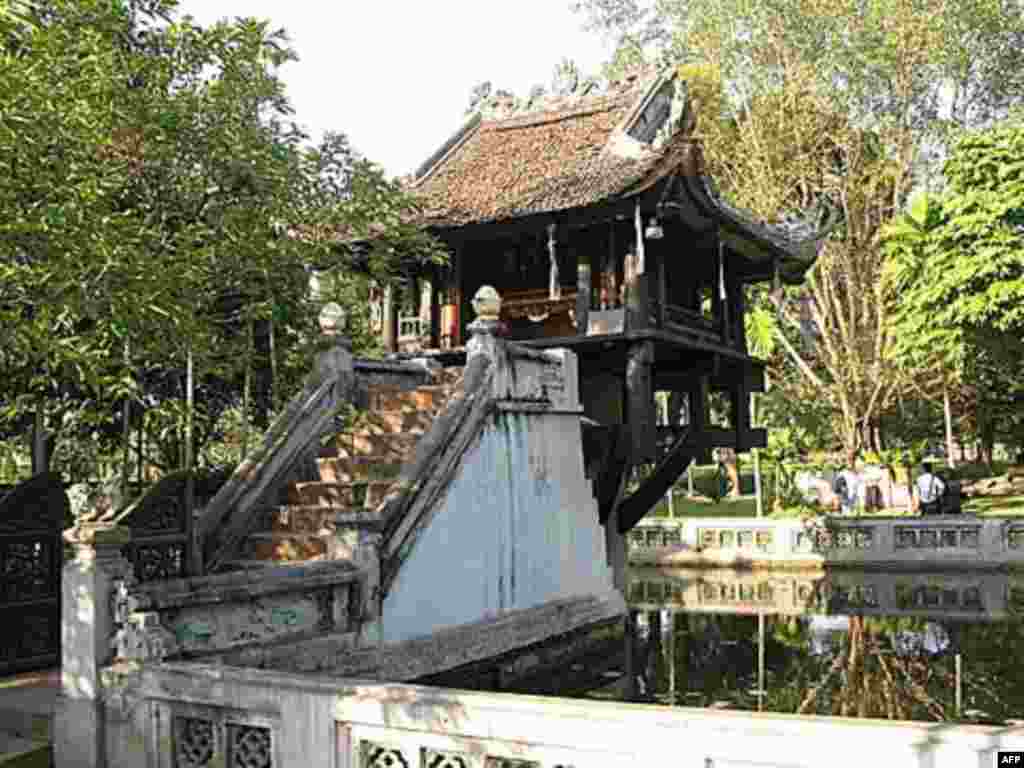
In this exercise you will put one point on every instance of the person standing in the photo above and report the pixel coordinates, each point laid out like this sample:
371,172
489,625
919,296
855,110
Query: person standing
928,490
846,486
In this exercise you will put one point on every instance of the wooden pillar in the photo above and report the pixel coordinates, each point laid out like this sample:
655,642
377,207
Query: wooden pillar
582,294
390,318
640,407
609,285
697,400
662,287
435,308
741,415
455,296
722,291
739,314
638,311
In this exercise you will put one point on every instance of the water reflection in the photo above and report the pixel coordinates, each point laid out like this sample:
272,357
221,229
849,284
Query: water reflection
908,646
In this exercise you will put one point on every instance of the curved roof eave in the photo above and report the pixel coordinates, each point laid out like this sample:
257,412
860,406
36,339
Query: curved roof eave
796,253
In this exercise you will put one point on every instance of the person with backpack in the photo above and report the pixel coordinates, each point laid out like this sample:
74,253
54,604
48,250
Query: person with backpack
928,490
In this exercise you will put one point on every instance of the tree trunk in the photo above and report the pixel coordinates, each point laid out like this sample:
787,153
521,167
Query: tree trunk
40,454
948,413
273,368
190,482
246,389
126,435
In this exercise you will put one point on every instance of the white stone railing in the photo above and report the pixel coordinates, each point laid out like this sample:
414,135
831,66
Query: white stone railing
959,540
410,327
176,715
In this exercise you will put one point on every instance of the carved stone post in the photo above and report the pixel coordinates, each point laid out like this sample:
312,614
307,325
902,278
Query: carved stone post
336,361
89,584
367,558
485,348
390,320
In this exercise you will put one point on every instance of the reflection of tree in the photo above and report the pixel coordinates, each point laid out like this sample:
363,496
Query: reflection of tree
899,668
870,675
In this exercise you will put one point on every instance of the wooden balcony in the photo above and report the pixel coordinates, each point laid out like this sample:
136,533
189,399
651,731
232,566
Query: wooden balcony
532,315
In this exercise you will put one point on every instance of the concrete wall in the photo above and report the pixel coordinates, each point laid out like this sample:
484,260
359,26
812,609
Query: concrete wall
517,527
515,524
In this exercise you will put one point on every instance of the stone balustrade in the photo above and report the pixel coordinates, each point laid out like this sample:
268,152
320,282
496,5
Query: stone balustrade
948,541
179,715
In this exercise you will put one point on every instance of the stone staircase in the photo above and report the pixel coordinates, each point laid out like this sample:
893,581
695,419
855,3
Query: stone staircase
357,468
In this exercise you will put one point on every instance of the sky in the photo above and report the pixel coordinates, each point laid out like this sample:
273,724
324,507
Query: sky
395,75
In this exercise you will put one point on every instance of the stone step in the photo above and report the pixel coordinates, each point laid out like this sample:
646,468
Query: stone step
338,495
391,422
302,519
389,448
357,469
425,398
286,547
247,565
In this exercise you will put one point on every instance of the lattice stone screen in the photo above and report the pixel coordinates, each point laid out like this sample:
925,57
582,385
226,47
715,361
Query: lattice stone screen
203,737
428,750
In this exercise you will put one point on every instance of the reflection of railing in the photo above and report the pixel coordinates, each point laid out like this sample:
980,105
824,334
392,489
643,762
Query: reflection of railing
909,593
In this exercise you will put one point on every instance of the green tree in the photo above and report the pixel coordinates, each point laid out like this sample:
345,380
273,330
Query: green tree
957,265
839,100
158,202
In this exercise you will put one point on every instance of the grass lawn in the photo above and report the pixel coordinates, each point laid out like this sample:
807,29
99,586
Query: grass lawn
993,506
744,506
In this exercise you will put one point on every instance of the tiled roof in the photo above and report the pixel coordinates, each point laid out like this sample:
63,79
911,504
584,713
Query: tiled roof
567,155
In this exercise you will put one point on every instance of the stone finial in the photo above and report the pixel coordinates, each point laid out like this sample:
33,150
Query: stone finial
97,540
487,304
332,319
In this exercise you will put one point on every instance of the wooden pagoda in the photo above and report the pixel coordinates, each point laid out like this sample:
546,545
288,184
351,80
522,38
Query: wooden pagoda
592,217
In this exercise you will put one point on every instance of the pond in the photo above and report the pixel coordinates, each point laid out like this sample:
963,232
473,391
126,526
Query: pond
909,646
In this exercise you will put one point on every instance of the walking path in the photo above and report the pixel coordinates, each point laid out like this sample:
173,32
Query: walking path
26,715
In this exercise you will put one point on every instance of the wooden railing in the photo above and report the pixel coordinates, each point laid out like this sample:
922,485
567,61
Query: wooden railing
535,304
162,542
32,515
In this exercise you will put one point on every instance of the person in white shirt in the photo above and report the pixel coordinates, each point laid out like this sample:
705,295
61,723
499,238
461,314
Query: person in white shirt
928,491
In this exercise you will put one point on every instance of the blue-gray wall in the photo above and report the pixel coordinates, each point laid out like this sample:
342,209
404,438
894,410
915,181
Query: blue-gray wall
517,527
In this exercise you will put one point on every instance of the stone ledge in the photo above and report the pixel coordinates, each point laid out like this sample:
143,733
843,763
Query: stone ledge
443,650
243,585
